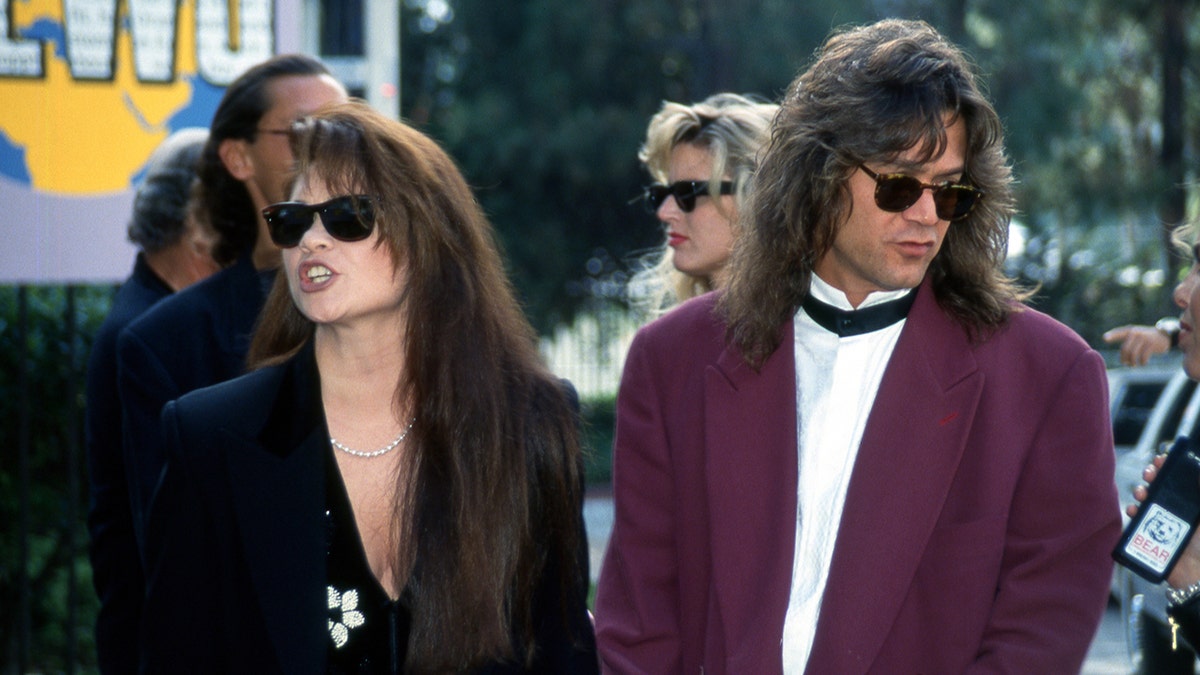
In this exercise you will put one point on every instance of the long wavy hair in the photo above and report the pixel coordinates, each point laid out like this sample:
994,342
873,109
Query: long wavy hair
221,200
492,492
872,94
733,129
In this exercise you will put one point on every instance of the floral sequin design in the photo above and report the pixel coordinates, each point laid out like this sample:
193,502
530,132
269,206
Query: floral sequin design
347,604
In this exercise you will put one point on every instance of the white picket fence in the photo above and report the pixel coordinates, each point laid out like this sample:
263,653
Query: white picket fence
591,351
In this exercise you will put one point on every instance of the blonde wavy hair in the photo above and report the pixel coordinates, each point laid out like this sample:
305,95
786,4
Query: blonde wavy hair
732,128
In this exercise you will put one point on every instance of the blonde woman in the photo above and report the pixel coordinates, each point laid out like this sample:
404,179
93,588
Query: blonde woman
701,158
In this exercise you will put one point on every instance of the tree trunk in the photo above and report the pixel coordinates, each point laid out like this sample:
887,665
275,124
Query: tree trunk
1172,210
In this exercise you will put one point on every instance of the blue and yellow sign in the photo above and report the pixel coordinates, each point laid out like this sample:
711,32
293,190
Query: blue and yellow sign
88,89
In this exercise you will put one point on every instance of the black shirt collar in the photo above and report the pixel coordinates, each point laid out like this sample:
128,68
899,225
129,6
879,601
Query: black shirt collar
849,322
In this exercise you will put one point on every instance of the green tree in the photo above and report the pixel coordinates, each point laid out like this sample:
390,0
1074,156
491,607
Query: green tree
45,578
544,105
1095,129
550,102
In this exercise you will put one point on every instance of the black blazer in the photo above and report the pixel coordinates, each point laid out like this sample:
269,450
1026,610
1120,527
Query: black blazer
235,541
1187,617
193,339
116,565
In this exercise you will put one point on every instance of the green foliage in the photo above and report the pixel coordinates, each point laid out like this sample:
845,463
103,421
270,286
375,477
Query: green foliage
51,354
551,103
599,420
545,103
1080,88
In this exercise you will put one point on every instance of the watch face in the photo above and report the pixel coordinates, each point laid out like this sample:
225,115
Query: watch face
1168,325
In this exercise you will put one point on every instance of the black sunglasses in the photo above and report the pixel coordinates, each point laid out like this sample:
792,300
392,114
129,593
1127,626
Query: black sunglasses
896,192
346,218
684,191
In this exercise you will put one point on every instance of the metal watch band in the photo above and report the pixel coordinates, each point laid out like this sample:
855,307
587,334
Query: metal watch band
1178,596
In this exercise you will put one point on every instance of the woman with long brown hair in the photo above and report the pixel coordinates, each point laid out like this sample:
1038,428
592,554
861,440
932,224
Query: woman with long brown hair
396,487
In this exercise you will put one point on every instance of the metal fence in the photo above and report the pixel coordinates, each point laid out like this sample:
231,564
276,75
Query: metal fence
590,352
45,335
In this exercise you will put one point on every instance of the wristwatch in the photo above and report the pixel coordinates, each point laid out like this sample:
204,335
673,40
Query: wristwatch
1179,596
1169,326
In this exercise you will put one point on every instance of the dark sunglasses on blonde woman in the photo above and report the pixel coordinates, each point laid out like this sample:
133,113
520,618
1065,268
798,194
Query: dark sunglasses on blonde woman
345,218
895,192
685,193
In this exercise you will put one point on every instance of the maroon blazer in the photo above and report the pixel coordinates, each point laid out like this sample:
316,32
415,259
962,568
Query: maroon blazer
977,526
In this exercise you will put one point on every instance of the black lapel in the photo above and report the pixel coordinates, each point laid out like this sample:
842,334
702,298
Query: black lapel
278,486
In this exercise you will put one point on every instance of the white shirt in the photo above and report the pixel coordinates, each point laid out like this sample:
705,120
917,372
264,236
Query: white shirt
836,383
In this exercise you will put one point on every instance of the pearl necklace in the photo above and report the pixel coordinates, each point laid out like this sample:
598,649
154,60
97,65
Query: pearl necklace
382,451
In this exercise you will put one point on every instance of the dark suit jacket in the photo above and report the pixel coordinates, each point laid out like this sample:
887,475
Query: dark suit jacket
236,539
195,338
1187,617
977,526
116,566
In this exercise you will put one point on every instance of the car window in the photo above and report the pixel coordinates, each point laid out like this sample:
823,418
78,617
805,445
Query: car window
1134,409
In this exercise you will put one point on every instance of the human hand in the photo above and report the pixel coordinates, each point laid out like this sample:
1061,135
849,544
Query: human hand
1187,569
1138,343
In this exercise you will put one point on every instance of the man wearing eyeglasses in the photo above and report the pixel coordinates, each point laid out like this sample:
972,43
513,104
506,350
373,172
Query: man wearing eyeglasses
200,335
865,455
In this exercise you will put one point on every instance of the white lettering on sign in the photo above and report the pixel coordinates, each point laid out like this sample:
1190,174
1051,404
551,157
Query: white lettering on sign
91,27
221,58
18,58
153,24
